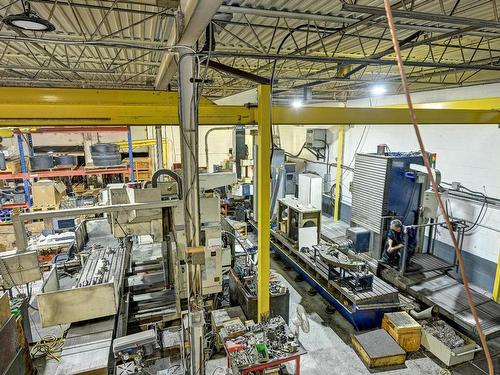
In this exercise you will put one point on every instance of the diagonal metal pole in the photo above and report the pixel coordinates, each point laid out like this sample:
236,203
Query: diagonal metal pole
432,178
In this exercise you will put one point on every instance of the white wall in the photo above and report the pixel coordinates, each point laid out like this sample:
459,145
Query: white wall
465,153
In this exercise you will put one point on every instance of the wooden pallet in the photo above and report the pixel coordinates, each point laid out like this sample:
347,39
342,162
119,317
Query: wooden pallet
100,168
57,168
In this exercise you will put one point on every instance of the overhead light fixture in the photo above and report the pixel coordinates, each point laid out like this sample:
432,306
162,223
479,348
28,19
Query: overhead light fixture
297,103
378,90
28,20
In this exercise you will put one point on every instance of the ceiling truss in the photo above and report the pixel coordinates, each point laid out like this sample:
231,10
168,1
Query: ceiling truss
332,50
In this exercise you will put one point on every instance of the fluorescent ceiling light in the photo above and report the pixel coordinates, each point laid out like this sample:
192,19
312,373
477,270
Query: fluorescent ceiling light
378,90
297,103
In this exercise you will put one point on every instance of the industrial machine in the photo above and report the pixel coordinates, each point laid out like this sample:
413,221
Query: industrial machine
387,186
131,269
301,224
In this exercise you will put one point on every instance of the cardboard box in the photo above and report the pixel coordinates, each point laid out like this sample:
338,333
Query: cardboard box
47,193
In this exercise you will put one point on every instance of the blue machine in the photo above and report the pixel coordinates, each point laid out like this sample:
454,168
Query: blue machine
385,188
402,186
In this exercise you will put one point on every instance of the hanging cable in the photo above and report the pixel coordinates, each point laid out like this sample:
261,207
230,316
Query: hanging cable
435,187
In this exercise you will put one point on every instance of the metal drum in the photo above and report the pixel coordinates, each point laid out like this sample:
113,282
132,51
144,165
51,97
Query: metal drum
70,160
41,162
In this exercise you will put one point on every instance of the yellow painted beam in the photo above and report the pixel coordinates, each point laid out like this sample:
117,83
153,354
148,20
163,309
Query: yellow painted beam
263,198
20,115
496,285
30,107
6,133
338,174
379,116
483,103
29,95
13,115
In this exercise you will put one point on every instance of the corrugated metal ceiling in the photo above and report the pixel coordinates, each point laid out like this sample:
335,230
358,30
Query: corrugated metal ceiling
144,24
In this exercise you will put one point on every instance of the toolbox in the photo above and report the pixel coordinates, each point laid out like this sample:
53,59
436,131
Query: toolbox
403,329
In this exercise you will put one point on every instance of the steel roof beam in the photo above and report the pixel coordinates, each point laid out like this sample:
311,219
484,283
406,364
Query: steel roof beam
432,17
328,18
349,60
196,16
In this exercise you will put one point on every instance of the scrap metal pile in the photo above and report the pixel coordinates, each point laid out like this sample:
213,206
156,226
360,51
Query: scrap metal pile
444,333
248,277
269,340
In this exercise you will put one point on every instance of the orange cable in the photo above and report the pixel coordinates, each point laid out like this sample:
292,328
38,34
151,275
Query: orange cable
458,251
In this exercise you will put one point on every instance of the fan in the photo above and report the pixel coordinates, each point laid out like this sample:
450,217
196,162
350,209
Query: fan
301,322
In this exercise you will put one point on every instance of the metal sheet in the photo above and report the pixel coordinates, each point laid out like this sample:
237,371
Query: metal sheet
86,358
74,305
369,191
19,268
379,344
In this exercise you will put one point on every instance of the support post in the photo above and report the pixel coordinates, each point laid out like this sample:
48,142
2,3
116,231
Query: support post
188,116
496,285
24,169
263,196
188,121
130,155
338,175
159,147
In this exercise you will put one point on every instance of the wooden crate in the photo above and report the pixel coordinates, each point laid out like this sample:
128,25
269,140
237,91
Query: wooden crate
404,329
378,349
140,164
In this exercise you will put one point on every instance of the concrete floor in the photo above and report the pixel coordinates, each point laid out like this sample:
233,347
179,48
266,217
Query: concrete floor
329,343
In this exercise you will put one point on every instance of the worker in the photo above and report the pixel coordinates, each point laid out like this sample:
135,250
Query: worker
394,243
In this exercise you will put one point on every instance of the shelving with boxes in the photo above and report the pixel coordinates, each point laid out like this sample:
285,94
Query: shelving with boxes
21,169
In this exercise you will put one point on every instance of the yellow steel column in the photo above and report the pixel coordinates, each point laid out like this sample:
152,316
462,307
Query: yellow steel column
165,154
338,176
263,197
496,286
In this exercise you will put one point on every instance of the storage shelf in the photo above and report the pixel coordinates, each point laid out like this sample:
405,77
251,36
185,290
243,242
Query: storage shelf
13,205
81,171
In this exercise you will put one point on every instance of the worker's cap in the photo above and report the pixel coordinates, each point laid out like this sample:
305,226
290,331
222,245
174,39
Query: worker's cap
396,223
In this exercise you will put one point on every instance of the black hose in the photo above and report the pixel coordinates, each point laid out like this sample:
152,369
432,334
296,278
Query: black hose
170,173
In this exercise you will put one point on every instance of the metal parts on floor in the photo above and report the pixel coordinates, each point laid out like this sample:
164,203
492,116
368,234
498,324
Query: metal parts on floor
445,333
269,340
